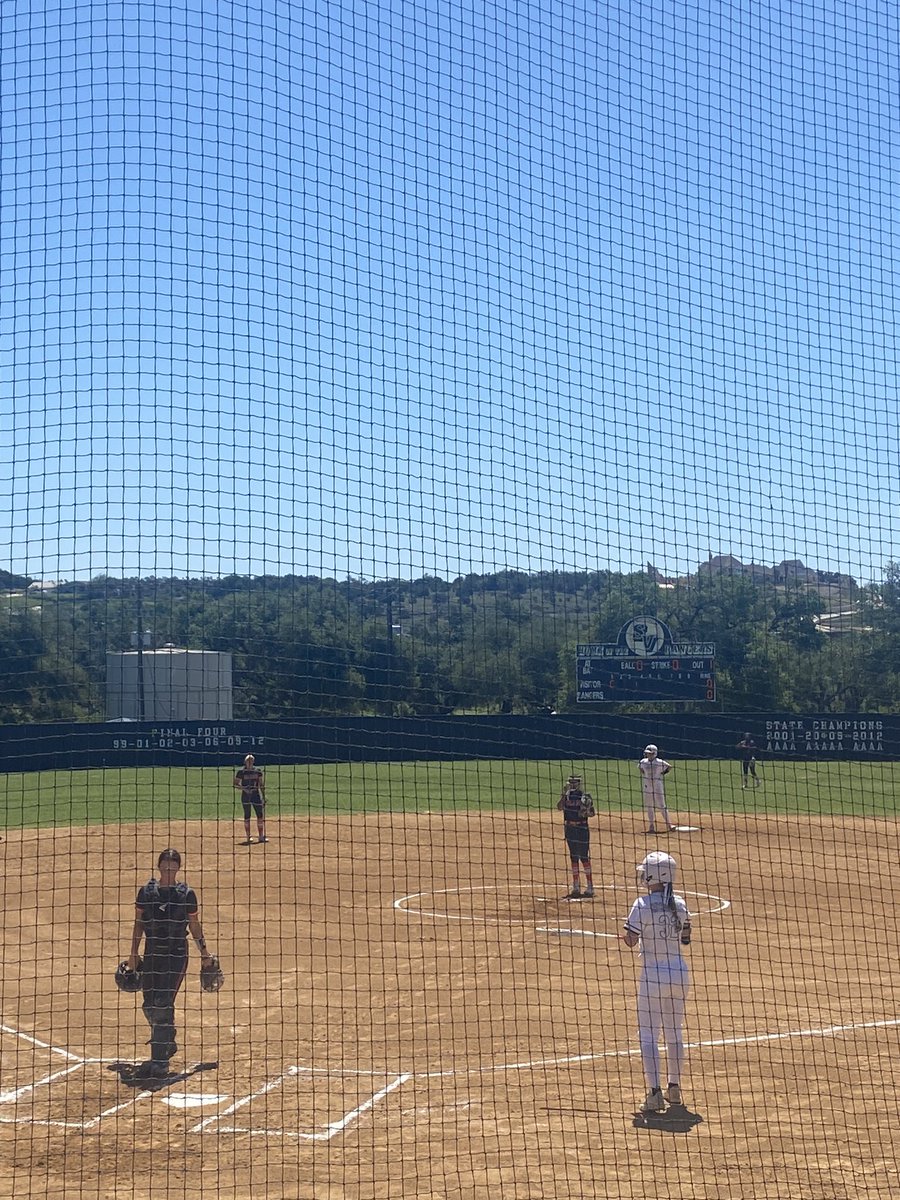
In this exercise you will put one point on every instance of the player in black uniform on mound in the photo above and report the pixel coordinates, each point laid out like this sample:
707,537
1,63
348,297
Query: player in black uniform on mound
165,911
576,806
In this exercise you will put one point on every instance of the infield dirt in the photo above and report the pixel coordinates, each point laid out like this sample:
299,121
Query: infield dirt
476,1040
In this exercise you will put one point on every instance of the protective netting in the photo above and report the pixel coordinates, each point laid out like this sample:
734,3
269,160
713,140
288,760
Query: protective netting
449,455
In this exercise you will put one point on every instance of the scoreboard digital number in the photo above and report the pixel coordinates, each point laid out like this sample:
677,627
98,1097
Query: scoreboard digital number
627,680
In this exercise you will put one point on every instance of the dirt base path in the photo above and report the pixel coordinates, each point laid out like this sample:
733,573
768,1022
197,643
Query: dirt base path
412,1011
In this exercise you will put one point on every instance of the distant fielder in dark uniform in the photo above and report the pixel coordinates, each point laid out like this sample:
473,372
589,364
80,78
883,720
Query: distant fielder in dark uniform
252,783
577,806
749,751
165,911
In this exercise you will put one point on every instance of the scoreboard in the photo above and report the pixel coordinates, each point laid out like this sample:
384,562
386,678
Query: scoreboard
610,679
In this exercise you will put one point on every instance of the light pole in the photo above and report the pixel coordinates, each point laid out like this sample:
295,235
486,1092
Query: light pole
139,639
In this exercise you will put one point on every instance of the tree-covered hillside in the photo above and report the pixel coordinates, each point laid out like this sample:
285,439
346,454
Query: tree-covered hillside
500,642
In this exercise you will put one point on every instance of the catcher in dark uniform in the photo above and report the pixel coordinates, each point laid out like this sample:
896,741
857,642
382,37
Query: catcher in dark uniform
576,806
165,911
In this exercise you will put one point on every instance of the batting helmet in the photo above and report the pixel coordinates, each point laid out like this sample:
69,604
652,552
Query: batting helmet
657,867
128,980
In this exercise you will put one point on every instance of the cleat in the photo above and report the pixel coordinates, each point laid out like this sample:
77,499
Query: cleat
575,894
263,840
588,893
673,1094
654,1102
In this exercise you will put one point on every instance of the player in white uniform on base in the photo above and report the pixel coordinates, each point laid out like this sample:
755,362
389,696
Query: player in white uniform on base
661,923
652,769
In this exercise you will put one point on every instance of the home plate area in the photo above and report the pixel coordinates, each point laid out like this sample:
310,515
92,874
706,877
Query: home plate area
301,1103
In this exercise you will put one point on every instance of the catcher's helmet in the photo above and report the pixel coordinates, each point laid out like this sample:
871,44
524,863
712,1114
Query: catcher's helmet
128,980
657,867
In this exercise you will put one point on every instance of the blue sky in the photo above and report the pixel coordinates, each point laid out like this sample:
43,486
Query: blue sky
394,289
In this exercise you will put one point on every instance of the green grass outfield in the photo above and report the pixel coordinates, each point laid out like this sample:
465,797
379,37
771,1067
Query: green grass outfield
63,798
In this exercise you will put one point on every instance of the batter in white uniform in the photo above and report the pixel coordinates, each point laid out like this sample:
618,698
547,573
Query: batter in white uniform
661,923
652,769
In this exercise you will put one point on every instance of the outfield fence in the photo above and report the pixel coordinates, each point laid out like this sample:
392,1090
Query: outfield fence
856,737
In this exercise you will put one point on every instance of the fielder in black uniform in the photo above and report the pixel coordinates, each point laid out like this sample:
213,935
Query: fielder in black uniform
576,806
749,751
252,783
165,911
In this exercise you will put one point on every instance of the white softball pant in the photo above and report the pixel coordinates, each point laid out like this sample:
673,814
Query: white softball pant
662,993
655,804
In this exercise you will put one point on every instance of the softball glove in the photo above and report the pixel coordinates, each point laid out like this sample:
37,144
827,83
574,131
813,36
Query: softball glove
586,808
211,975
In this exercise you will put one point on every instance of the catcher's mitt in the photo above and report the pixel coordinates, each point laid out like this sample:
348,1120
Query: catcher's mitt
128,980
211,975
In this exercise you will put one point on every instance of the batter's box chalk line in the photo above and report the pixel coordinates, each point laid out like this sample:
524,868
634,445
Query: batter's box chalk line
216,1123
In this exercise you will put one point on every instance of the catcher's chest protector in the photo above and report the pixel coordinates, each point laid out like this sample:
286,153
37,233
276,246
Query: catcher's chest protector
165,911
